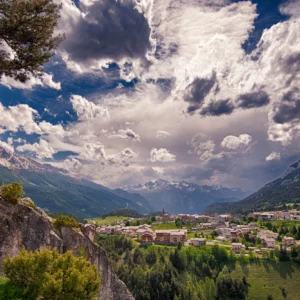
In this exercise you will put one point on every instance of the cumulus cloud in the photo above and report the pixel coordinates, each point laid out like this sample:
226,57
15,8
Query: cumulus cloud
41,149
7,147
290,8
87,110
196,92
128,153
273,156
161,134
218,108
104,31
94,152
19,117
161,155
235,142
254,99
128,134
202,146
46,80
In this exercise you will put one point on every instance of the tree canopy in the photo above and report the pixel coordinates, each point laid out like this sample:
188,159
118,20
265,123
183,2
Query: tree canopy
48,274
12,192
27,38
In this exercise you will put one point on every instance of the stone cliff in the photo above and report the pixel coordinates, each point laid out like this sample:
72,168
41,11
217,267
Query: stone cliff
24,226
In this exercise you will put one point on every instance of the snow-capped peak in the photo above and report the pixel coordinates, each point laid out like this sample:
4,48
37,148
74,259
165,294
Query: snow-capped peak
15,161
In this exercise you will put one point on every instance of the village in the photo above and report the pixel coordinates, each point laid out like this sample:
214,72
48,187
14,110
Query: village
223,230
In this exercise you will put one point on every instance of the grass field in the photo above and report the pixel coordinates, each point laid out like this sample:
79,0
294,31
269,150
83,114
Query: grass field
164,226
108,220
266,278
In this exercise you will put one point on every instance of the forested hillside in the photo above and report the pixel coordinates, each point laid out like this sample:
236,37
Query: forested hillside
274,195
56,192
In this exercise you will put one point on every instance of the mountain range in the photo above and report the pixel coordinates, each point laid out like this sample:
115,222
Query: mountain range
184,197
284,190
55,190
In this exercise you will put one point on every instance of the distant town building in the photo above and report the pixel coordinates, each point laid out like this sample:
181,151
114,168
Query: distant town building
287,241
171,236
268,242
237,247
198,241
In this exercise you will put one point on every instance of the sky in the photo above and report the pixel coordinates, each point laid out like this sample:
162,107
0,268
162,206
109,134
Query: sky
205,91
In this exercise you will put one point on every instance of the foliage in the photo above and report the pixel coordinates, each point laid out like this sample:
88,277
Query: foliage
28,202
230,289
55,215
8,291
66,221
161,272
12,192
27,27
51,275
178,223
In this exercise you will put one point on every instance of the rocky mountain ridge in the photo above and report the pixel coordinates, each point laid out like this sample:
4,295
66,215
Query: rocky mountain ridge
184,197
57,191
15,161
24,226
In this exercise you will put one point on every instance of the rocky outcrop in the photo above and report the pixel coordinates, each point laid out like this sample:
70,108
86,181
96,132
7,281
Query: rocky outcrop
24,226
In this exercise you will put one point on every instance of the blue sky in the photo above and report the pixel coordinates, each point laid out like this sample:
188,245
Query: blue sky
202,91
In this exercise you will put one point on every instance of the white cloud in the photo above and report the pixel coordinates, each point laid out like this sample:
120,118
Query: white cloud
87,110
273,156
128,154
41,149
234,142
94,152
128,134
7,147
162,134
290,8
19,117
202,146
46,80
161,155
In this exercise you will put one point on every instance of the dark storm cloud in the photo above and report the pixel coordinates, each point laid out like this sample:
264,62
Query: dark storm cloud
287,113
252,100
291,95
218,108
197,91
291,66
111,29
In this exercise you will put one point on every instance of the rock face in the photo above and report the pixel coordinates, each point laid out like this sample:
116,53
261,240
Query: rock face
22,226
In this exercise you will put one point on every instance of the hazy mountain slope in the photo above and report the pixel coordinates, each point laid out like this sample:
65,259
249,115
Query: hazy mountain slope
183,197
285,189
53,189
134,197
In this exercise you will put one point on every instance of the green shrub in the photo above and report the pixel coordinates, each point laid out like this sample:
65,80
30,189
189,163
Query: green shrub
12,192
28,202
8,291
66,221
48,274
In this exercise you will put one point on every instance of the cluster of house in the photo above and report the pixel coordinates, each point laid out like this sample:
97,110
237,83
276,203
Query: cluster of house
277,215
145,234
194,218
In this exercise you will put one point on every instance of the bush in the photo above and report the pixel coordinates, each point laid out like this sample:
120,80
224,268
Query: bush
28,202
51,275
12,192
66,221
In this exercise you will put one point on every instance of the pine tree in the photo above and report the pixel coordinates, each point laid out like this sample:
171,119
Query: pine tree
27,27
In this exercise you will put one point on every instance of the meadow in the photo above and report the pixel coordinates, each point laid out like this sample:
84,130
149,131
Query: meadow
281,280
111,220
